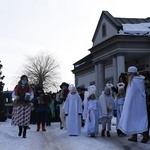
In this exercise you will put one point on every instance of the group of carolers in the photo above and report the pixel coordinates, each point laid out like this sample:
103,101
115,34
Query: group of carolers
129,104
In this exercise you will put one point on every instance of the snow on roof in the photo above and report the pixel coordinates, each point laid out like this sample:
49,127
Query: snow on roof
135,29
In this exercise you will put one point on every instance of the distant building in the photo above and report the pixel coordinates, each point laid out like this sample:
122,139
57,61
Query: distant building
117,44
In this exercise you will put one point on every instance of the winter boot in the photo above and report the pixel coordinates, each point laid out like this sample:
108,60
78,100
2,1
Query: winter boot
38,128
103,133
145,137
43,128
20,131
24,132
133,138
92,134
108,134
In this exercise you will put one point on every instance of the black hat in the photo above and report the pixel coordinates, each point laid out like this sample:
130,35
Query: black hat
64,84
37,89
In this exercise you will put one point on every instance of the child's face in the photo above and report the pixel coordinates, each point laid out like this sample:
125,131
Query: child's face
107,92
121,91
64,87
73,93
92,96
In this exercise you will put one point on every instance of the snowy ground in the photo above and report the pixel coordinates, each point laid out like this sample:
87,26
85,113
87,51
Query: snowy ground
56,139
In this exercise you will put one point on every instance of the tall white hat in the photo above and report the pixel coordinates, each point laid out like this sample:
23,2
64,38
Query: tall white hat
72,88
109,85
91,89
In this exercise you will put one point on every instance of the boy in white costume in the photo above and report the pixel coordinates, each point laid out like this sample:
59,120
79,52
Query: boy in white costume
106,101
134,115
92,113
73,111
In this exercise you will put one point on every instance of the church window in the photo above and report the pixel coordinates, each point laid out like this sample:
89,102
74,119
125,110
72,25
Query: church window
104,30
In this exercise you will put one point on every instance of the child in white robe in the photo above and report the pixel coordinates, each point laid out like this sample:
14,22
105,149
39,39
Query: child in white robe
73,112
118,105
91,114
106,101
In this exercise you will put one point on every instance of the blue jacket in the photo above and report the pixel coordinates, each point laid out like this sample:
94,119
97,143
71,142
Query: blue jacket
39,107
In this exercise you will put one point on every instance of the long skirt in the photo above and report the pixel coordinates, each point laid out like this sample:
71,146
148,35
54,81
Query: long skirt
21,115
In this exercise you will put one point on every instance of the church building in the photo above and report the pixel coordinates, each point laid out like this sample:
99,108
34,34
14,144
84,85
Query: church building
118,43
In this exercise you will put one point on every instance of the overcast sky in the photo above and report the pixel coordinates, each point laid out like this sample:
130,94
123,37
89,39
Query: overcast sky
63,27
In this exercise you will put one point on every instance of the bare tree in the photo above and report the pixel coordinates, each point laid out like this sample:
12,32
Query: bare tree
42,69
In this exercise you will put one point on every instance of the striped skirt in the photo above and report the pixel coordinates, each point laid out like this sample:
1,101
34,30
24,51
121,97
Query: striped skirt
21,115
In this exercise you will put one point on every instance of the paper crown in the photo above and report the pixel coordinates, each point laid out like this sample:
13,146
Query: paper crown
109,85
121,85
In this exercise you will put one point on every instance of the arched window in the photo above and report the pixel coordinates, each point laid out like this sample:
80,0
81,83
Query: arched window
104,30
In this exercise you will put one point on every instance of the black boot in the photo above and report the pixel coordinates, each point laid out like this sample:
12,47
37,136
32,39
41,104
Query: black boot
108,134
92,134
103,133
24,132
133,138
20,130
145,137
120,133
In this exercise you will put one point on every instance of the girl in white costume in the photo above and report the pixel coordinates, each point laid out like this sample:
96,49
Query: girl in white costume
118,105
73,111
92,113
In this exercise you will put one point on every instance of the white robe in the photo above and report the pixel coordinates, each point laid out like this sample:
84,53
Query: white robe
91,115
106,102
119,102
73,107
134,115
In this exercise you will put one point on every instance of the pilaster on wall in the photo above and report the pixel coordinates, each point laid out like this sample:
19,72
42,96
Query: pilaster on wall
100,77
96,78
118,66
115,71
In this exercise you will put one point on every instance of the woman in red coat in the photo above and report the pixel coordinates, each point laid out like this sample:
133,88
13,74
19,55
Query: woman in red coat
22,95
